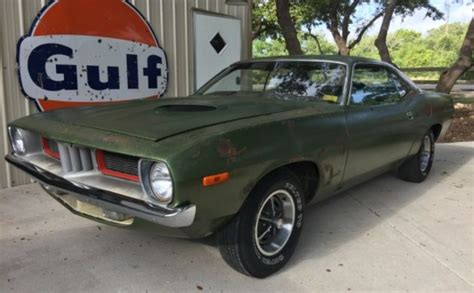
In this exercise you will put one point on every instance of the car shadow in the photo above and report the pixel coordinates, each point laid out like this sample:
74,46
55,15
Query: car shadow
328,225
333,222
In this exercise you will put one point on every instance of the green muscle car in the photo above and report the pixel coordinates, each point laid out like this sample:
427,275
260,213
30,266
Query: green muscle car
241,157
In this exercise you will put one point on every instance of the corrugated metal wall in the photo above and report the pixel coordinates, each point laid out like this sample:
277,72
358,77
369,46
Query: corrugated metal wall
171,21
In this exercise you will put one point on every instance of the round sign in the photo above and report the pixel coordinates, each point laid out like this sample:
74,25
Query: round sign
82,52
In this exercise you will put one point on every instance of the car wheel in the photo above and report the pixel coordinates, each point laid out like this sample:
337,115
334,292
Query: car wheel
263,235
417,168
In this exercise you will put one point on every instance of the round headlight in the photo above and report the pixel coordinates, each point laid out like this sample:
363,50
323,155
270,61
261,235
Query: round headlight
17,141
161,183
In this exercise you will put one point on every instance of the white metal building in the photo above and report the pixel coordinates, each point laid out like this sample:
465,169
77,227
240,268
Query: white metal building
184,29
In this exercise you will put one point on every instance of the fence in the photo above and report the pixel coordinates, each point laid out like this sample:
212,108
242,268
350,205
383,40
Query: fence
427,78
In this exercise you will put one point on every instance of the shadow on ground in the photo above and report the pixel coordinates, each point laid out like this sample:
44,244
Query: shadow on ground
40,246
329,224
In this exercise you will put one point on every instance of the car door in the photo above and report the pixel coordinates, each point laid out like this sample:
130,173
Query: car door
378,120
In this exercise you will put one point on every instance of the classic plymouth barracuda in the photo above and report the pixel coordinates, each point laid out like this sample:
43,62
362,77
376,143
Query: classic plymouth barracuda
241,157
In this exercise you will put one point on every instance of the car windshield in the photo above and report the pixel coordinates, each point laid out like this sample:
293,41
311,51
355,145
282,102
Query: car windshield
315,80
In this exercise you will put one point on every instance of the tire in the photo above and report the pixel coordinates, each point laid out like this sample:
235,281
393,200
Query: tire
239,242
417,168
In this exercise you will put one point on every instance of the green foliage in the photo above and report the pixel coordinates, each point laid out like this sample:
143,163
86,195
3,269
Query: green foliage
307,14
438,48
276,47
310,46
366,48
408,48
264,20
266,48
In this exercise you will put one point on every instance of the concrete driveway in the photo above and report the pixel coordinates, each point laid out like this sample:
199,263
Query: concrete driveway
384,235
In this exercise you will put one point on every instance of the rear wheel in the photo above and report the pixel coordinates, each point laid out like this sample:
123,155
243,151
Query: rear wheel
417,168
262,237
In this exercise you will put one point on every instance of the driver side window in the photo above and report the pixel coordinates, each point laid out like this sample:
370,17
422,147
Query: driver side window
374,85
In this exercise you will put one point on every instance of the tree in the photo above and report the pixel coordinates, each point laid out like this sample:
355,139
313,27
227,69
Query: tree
343,18
264,20
315,43
339,18
381,40
270,47
288,27
449,77
404,8
445,46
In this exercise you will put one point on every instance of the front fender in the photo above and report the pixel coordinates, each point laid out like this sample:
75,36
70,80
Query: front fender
249,150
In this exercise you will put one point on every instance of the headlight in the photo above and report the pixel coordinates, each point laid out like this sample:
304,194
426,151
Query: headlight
157,182
17,140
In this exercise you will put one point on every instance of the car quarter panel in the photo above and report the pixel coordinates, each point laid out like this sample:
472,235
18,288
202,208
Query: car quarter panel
430,109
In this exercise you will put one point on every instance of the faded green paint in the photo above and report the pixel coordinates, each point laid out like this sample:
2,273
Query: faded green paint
250,137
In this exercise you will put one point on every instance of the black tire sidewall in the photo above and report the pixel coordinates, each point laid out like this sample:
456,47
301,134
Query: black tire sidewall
430,163
257,264
410,170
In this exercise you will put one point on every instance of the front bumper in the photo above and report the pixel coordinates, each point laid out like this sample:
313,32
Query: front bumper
82,195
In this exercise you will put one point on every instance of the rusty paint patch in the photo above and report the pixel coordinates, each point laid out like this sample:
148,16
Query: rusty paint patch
227,150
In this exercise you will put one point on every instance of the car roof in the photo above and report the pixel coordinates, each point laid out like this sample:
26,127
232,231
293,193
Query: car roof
337,58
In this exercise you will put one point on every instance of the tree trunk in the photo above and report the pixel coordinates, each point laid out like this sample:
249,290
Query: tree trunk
381,41
449,77
341,43
344,50
288,27
333,27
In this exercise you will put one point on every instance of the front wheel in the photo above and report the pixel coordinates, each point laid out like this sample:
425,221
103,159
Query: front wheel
417,168
262,237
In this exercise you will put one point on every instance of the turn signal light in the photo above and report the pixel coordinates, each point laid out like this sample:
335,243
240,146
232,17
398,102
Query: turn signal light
215,179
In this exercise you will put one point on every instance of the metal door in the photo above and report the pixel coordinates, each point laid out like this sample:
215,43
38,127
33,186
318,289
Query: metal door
217,44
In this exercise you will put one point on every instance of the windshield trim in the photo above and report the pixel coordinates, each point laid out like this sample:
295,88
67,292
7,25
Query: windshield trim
342,101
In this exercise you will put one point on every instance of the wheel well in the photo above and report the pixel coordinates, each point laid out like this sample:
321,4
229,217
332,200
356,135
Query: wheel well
306,171
436,131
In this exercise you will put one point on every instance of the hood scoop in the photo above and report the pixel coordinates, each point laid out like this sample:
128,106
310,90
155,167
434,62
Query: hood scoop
184,108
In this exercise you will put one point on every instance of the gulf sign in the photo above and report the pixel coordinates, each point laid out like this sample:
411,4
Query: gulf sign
83,52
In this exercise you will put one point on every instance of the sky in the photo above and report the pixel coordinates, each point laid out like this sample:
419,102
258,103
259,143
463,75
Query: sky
460,11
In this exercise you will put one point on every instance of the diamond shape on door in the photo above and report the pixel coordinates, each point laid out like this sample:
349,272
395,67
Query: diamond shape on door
218,43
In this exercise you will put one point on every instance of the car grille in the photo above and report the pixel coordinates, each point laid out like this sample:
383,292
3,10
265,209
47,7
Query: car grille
119,164
53,146
75,159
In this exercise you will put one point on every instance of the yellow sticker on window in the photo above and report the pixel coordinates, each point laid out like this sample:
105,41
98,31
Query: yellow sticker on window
330,98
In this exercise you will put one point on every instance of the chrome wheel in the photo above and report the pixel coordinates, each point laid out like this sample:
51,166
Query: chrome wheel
426,153
275,222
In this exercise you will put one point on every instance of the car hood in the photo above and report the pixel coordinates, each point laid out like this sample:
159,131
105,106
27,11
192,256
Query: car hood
156,120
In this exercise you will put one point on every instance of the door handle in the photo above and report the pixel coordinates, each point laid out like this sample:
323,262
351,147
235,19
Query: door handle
410,115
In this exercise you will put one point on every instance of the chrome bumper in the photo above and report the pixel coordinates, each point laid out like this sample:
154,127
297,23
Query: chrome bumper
60,188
